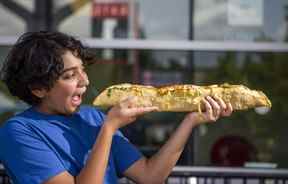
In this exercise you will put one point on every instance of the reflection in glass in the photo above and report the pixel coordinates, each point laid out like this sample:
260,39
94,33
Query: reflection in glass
145,22
10,23
263,71
236,20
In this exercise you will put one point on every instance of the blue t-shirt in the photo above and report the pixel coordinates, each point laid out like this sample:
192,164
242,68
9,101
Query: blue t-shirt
36,147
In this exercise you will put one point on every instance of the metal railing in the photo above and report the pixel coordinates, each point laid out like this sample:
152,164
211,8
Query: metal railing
180,45
224,175
4,179
213,175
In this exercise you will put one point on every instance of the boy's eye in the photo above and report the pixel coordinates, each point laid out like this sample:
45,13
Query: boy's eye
69,75
73,73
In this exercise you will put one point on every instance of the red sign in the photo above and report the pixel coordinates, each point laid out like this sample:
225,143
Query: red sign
110,10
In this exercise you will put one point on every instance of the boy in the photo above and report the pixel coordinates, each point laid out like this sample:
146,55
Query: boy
57,140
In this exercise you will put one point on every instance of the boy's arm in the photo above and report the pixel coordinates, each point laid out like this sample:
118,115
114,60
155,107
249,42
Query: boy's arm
94,170
158,167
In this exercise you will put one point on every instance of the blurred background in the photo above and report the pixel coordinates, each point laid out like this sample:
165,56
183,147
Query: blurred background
160,42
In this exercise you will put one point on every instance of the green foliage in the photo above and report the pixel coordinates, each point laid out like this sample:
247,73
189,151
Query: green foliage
266,72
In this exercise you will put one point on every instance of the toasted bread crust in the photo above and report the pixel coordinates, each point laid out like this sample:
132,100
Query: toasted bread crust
181,98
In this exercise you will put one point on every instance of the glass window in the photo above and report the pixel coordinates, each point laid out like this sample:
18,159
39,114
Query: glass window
213,20
261,137
249,20
147,23
10,23
78,21
8,104
171,22
27,4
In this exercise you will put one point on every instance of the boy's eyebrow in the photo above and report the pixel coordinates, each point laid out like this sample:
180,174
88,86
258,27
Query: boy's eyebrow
68,69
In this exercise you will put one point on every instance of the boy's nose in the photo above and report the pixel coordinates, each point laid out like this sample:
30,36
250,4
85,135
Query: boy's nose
83,80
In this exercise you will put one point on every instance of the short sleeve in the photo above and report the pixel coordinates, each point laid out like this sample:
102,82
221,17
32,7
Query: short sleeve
92,115
124,153
26,156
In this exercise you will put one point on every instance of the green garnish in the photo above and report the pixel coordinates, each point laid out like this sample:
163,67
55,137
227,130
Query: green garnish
109,92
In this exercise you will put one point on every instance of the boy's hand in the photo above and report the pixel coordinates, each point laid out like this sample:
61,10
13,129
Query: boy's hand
126,112
215,108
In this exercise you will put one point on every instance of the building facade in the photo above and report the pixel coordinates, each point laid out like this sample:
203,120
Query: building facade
158,42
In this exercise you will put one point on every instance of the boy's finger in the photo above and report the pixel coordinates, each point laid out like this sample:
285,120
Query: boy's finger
220,102
127,102
208,108
228,111
215,106
141,110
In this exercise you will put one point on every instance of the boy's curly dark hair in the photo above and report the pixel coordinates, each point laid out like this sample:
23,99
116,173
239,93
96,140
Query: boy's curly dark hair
35,62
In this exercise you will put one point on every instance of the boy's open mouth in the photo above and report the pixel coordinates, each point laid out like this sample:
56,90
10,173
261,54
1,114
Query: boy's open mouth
77,99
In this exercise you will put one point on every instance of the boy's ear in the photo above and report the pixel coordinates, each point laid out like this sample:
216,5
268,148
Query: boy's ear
40,93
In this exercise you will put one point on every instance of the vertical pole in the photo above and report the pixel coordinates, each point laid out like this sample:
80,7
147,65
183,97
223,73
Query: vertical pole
134,34
97,23
286,21
191,146
42,16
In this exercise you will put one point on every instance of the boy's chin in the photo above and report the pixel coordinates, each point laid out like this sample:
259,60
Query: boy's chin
71,111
